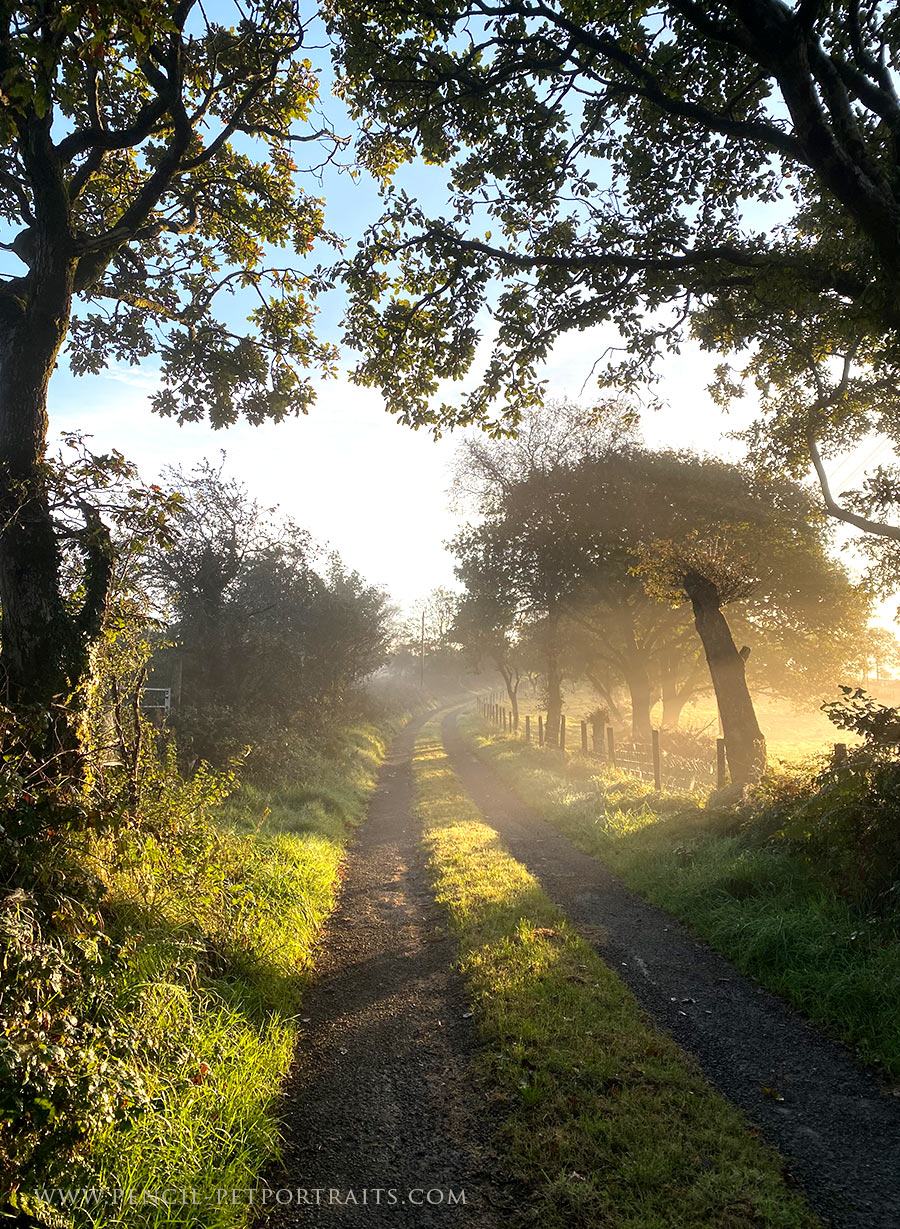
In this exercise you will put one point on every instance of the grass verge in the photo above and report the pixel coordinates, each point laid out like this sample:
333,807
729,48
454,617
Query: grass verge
218,923
756,902
609,1123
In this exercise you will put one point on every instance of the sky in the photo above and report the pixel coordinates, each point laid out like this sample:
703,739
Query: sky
361,483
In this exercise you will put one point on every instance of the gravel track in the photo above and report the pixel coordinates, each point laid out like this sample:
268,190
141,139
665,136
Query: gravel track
383,1097
838,1126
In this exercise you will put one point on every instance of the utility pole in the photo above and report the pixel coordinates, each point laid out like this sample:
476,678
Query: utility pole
422,655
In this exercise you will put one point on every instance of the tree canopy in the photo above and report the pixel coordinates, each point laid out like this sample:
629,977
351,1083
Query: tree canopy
718,167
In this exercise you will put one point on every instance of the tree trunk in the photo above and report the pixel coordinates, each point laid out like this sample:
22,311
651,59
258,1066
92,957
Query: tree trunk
673,703
604,692
45,645
512,691
745,746
36,639
638,680
554,686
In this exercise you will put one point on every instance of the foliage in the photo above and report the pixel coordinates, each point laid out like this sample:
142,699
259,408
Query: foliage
70,1063
152,960
267,645
156,147
148,172
619,164
846,822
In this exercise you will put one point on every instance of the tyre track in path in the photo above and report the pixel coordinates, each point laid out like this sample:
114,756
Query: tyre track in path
837,1127
383,1097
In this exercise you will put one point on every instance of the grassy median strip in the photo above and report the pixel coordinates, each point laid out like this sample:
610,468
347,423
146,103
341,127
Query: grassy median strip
747,896
609,1123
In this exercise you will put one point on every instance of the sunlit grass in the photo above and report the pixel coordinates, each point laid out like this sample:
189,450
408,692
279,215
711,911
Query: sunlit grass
607,1121
793,731
216,972
750,898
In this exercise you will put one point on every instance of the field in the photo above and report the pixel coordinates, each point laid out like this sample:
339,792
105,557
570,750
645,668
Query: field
792,733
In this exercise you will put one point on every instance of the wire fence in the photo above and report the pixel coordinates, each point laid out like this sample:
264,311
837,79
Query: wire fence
651,762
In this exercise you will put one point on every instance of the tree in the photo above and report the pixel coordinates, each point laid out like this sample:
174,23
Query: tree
485,627
709,573
146,167
525,560
546,439
269,645
650,168
616,545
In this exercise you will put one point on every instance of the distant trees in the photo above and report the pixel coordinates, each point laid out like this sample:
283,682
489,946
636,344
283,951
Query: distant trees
619,565
270,644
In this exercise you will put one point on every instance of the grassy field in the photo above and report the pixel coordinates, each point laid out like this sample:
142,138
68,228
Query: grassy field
219,924
609,1123
792,732
762,906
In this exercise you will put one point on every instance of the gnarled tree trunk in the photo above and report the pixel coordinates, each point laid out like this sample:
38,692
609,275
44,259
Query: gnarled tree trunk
745,746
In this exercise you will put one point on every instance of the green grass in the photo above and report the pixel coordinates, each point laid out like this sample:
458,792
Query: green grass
608,1122
220,928
760,905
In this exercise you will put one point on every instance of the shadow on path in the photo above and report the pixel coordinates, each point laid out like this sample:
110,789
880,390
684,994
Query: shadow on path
382,1096
838,1128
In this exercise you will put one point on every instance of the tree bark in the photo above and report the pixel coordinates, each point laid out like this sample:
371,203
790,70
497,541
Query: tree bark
640,690
745,746
45,644
512,690
554,684
673,704
36,637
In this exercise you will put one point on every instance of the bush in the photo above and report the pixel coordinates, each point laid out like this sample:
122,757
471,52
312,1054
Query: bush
71,1064
843,817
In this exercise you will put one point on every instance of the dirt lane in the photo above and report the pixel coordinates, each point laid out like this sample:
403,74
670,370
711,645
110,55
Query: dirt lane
837,1127
383,1097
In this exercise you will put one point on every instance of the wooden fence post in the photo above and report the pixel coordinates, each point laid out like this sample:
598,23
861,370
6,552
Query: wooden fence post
597,732
562,734
611,745
657,761
584,745
527,728
720,763
540,731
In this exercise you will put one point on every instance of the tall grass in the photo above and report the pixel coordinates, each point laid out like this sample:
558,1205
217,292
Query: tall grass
732,882
219,929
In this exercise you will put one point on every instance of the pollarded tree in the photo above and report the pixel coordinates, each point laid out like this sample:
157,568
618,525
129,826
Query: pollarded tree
709,572
146,167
